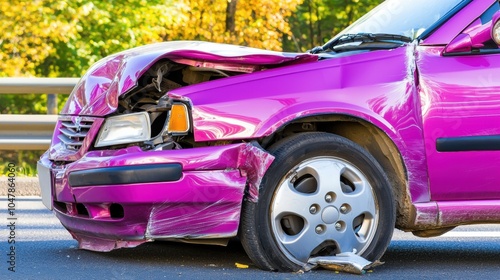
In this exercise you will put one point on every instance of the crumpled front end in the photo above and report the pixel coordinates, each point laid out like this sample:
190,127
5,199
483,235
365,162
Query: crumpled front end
124,166
121,198
145,68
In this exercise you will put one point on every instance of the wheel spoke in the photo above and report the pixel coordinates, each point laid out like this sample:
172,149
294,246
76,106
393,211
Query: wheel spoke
360,201
290,201
362,212
327,173
302,245
347,240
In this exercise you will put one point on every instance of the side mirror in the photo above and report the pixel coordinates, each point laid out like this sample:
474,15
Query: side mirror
495,28
475,36
461,43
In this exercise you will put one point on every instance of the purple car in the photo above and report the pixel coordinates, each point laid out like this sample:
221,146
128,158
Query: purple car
309,158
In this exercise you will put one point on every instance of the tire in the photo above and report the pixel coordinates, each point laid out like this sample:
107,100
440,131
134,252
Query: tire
323,195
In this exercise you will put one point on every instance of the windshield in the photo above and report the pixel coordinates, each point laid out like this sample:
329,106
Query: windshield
409,18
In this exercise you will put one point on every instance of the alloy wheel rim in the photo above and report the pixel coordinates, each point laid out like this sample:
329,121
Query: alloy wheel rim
324,206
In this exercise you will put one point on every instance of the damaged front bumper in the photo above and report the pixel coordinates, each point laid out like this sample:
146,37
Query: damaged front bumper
122,198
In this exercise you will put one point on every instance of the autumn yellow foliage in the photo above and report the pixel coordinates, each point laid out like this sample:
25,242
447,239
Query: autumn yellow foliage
63,38
258,23
28,30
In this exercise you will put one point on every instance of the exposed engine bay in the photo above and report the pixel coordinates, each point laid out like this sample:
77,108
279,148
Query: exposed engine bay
150,95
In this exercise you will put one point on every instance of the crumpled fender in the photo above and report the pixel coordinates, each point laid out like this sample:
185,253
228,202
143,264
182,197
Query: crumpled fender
96,94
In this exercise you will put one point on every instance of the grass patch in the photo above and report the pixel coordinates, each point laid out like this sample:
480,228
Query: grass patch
25,162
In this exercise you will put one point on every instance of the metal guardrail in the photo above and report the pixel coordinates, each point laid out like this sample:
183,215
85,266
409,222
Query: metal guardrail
37,85
26,132
31,132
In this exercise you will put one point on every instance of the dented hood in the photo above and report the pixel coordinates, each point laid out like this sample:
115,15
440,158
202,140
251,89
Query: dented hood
97,93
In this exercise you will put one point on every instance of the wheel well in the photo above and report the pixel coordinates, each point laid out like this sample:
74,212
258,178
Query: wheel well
371,138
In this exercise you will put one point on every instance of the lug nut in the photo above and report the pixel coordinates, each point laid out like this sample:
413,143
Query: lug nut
343,209
319,229
313,209
328,198
338,226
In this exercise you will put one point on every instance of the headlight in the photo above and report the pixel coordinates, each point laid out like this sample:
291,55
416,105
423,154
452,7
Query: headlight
124,129
496,32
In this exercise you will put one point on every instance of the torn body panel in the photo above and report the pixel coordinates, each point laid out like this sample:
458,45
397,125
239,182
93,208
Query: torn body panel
205,203
97,93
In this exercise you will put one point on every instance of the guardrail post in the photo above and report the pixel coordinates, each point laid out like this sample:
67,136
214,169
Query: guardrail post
51,104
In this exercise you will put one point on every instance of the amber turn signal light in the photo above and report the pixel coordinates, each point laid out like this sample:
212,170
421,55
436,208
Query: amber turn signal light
179,119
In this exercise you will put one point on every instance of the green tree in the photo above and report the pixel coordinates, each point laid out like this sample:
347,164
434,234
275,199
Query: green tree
316,21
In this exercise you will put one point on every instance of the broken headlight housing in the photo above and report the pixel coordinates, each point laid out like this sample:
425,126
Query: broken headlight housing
124,129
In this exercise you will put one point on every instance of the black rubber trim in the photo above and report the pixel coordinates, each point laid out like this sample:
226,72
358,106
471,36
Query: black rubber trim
470,143
474,52
147,173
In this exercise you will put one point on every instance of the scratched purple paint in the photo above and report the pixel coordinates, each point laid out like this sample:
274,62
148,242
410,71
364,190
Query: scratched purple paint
438,88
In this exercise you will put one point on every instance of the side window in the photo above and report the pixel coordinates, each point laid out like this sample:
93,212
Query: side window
488,15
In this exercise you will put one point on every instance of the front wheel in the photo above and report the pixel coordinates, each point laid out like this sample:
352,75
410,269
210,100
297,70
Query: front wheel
323,195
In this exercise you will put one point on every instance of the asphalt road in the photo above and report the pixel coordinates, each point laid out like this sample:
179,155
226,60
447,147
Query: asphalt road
44,250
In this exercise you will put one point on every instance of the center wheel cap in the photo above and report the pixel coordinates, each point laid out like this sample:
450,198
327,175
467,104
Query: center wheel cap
330,215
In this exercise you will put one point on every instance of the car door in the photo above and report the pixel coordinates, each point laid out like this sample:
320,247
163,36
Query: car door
460,102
